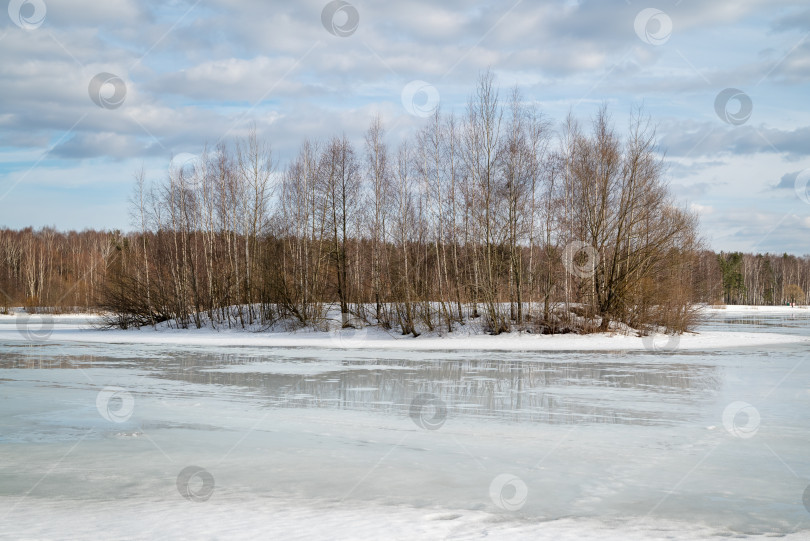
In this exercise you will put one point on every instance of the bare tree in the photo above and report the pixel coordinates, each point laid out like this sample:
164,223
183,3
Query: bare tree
341,185
378,175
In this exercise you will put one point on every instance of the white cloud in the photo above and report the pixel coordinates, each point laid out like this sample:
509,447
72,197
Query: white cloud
701,209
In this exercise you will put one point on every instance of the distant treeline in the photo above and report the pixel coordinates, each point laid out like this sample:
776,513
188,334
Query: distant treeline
761,278
48,270
491,215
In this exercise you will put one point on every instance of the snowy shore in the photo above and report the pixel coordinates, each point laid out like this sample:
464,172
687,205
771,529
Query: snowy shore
83,328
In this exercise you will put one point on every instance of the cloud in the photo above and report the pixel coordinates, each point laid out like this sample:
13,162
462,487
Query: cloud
690,192
233,79
788,181
750,229
690,138
793,20
701,209
101,144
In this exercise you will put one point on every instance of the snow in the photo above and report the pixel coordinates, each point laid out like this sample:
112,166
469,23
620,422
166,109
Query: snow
747,308
81,329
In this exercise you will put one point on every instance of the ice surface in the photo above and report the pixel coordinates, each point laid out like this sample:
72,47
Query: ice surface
318,441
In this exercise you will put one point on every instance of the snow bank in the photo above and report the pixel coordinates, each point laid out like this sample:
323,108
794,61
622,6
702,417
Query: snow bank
81,328
371,338
749,309
375,338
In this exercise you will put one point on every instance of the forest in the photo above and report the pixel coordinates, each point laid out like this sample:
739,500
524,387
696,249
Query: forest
497,215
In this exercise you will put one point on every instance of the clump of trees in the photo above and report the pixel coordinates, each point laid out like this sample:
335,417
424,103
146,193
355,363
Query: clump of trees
490,215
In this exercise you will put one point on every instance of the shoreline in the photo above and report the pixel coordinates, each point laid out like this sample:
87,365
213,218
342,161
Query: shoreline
78,328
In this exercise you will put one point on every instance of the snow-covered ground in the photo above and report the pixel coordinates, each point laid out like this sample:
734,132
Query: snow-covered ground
371,436
469,337
748,309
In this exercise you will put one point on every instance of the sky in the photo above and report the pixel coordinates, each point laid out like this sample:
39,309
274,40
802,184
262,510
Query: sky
91,91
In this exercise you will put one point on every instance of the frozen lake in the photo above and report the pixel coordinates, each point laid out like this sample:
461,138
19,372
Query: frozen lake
140,440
